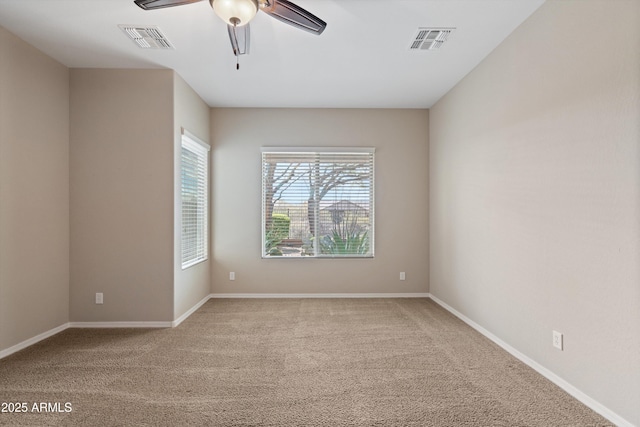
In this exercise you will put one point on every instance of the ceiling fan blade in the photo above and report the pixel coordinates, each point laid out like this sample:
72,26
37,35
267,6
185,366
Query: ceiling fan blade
292,14
239,37
159,4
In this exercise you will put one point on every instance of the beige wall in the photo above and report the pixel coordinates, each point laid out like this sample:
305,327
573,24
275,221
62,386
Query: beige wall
535,195
400,138
34,192
122,147
190,111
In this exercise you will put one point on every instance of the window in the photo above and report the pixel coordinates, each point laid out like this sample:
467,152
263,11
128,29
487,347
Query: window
317,202
194,175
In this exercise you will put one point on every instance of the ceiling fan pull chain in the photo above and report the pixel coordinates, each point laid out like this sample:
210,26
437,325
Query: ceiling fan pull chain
235,22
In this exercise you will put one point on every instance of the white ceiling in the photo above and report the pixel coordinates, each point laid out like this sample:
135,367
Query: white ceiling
362,60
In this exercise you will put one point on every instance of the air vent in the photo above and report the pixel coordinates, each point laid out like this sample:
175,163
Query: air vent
146,37
430,38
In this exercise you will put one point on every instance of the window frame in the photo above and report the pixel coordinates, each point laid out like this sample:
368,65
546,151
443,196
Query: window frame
201,149
322,151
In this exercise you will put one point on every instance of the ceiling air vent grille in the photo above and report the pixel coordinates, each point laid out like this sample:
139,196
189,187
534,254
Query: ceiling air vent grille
146,37
430,38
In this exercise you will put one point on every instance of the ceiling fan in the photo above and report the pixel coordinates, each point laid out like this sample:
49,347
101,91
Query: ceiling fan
238,13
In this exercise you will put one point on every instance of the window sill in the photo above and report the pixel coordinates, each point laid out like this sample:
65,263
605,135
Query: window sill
193,263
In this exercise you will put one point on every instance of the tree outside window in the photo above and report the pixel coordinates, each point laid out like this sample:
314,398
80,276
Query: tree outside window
317,203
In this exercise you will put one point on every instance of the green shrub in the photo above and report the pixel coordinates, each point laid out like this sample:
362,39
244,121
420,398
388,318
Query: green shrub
278,231
355,243
280,224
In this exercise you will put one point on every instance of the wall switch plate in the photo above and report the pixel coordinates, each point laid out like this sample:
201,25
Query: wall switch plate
99,298
557,340
232,275
402,275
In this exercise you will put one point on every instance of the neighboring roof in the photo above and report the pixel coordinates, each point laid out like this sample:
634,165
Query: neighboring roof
343,205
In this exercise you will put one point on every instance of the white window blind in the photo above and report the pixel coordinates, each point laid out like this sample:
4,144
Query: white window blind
194,173
317,202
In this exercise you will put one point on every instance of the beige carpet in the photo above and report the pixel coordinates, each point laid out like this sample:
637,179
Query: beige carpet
287,362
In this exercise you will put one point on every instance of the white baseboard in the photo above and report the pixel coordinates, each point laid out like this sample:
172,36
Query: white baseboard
354,295
31,341
57,330
178,321
572,390
190,311
97,325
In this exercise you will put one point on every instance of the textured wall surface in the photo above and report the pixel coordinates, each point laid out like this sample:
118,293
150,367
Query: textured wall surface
535,196
122,147
34,192
193,284
401,202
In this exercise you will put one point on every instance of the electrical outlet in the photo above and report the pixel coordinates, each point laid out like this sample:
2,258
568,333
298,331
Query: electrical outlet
402,275
232,275
557,340
99,298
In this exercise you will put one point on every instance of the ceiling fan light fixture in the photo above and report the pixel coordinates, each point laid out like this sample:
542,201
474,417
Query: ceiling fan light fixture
235,12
